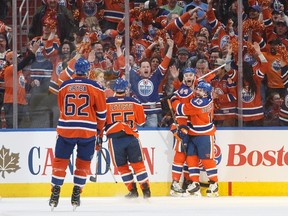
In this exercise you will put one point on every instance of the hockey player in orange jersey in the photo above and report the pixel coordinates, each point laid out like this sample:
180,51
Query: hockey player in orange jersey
82,105
184,94
199,133
123,114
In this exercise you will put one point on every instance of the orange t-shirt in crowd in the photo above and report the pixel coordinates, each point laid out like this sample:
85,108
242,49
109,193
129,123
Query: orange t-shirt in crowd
8,78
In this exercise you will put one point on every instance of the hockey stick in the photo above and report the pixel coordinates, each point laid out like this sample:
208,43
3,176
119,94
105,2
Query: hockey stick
94,178
108,165
175,122
214,70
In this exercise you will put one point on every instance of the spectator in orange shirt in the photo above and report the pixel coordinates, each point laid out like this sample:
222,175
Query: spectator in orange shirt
7,74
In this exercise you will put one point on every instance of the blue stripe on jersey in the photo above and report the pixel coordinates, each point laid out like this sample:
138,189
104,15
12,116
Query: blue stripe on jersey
113,14
74,124
179,109
213,23
267,22
260,74
81,81
226,111
253,111
231,97
101,115
201,128
179,23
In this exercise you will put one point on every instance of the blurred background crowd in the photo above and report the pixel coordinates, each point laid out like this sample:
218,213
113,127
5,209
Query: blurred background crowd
205,35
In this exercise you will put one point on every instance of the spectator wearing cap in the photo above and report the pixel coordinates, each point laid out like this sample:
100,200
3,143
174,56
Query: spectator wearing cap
182,61
63,17
225,97
254,12
159,15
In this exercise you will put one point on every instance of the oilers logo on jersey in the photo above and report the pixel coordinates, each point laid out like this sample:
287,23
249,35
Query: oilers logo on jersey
276,65
224,40
22,81
145,87
59,68
247,96
249,59
39,54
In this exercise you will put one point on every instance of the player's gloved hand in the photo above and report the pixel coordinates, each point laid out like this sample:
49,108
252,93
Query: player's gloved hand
183,133
98,143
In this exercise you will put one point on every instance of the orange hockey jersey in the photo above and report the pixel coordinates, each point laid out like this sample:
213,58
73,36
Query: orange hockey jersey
123,114
200,112
82,104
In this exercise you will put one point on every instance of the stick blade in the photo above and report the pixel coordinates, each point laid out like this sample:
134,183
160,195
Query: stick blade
93,179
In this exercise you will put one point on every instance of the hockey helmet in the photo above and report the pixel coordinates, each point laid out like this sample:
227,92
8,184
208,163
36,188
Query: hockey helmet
189,70
82,66
120,85
207,88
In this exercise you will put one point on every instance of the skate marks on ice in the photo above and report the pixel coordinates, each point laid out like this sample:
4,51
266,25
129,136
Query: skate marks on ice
155,206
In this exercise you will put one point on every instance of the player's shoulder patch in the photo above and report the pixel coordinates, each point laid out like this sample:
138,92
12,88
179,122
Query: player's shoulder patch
198,101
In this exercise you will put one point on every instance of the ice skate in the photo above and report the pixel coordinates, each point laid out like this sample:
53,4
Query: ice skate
146,191
176,190
54,199
194,189
133,193
75,198
185,184
212,191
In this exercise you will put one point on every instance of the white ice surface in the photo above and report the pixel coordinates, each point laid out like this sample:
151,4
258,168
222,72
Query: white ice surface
155,206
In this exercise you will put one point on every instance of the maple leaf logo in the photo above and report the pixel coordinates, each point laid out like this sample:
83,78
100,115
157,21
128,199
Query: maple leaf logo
8,162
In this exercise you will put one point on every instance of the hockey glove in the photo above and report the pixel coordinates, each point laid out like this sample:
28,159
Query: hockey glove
183,133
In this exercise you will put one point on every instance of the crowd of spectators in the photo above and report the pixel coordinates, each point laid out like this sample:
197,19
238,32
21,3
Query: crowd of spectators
204,35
